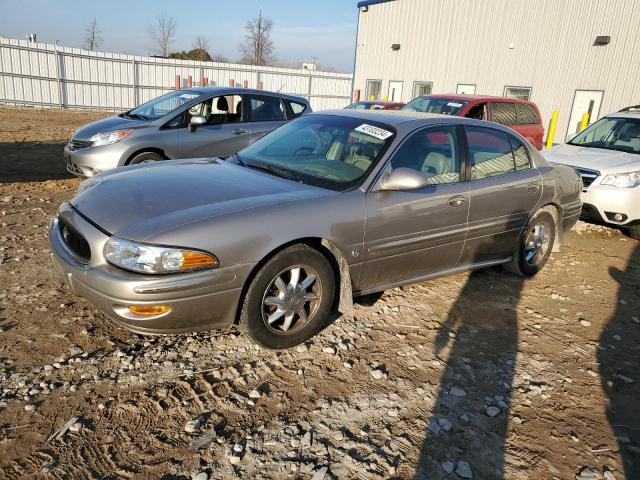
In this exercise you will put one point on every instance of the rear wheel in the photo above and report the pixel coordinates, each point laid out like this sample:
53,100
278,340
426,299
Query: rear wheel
534,247
290,298
634,231
145,157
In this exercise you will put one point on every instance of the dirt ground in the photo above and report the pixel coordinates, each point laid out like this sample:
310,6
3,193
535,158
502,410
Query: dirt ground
477,375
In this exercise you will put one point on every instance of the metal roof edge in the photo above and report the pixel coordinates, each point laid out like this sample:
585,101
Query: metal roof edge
366,3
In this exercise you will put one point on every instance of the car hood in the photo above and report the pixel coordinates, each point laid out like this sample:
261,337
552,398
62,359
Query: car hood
599,159
143,201
107,125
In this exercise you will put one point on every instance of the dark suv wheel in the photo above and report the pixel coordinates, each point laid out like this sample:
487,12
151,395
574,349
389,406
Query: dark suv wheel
289,299
534,246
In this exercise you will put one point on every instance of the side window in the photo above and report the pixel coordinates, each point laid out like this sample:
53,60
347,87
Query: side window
490,153
433,152
478,112
503,113
297,108
526,114
267,109
521,154
219,110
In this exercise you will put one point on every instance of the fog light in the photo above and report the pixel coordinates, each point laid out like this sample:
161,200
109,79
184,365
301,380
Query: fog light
617,217
149,309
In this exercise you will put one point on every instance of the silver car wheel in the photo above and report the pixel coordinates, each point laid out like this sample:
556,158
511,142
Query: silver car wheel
291,299
537,244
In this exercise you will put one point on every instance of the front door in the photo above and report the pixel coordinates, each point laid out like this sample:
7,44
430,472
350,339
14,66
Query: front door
225,133
584,101
395,91
265,114
411,234
504,188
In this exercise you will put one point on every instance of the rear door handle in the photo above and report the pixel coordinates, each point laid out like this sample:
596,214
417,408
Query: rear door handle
456,201
239,131
533,187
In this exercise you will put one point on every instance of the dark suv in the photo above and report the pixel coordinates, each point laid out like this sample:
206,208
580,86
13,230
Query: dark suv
520,115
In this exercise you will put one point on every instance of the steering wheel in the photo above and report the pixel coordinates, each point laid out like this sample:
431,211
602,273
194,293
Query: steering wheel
302,150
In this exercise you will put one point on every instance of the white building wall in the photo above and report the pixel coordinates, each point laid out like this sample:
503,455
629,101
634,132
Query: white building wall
449,42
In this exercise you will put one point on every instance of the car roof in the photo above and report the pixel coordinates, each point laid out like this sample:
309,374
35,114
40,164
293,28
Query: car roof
213,90
373,102
397,117
632,114
470,98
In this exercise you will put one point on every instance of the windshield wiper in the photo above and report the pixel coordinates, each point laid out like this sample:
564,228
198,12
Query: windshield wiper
270,168
136,115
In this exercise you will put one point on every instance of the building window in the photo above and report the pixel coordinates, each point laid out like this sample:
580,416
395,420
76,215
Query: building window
374,87
466,89
521,93
421,88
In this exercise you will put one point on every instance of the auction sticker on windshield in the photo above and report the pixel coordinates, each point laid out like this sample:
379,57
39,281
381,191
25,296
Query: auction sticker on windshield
377,132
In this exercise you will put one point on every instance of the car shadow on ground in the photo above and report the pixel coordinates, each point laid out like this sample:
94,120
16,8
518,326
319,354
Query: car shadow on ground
619,362
32,162
467,429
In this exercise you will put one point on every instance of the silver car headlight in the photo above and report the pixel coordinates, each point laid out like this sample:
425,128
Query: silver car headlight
155,259
107,138
622,180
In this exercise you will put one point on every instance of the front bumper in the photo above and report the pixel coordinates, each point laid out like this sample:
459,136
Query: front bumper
201,300
603,202
87,162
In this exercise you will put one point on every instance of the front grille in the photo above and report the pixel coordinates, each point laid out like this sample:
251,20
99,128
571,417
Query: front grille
74,241
78,144
588,176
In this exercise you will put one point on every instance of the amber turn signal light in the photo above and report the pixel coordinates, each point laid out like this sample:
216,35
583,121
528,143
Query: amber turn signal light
149,309
191,260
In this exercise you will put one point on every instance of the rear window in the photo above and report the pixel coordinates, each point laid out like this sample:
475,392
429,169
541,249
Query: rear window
504,113
444,106
527,115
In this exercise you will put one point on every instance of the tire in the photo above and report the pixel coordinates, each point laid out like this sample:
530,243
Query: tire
533,251
262,317
634,231
145,157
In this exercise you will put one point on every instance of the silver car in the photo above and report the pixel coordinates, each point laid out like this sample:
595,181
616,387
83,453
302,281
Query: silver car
282,235
198,122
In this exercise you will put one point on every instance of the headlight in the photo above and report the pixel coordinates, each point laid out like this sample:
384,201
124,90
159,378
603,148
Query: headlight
622,180
107,138
144,258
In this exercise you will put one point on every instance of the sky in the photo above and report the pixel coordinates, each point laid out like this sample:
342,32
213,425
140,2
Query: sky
302,28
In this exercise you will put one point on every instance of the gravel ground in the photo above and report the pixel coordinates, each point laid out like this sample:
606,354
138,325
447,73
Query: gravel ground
477,375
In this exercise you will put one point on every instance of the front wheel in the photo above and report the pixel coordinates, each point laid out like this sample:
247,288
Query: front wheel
534,247
289,299
145,157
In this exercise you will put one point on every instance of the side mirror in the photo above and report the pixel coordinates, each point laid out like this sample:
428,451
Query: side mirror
403,179
196,121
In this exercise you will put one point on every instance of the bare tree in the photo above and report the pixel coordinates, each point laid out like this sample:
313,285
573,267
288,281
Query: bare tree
162,34
257,48
201,43
92,38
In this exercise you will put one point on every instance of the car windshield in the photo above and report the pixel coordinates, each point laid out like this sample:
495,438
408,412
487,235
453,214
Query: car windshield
611,133
161,106
327,151
446,106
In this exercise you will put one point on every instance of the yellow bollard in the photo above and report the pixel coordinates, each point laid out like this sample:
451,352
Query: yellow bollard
552,128
585,121
372,98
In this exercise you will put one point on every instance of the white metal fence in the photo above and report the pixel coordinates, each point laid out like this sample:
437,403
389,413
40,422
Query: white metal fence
47,75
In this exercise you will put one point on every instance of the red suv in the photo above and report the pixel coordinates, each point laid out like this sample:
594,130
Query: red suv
520,115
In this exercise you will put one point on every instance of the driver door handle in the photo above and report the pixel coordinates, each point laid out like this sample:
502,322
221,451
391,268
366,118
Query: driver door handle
239,131
457,201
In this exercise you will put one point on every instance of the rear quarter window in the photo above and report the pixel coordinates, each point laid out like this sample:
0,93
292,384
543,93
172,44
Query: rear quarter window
527,115
504,113
298,109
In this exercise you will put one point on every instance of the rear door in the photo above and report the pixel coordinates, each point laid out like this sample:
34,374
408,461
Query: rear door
503,189
411,234
265,114
225,133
